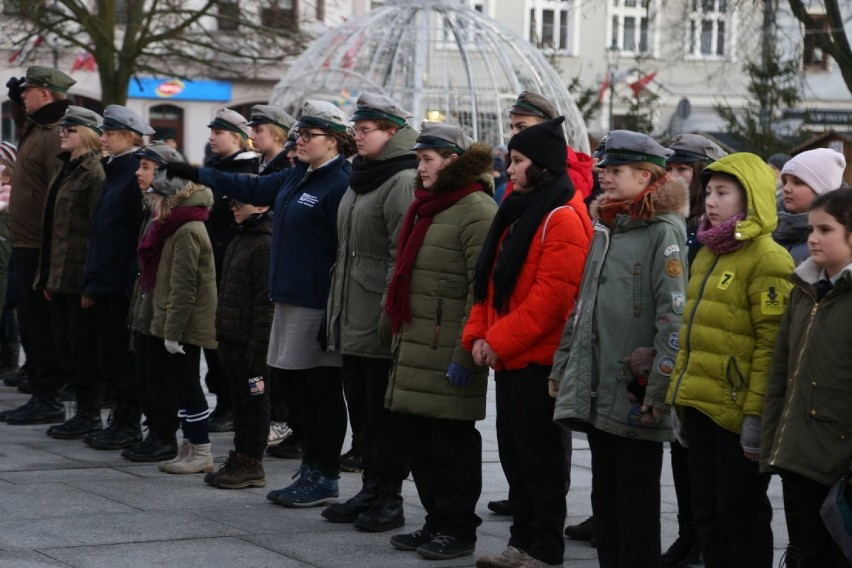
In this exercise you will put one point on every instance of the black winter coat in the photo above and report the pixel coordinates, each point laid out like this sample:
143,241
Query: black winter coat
244,310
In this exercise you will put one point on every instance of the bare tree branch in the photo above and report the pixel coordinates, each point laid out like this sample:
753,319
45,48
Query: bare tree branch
834,42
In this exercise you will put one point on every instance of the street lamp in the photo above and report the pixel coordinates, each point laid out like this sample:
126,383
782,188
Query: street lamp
613,53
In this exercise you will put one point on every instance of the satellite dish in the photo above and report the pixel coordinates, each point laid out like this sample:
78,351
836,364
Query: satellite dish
684,108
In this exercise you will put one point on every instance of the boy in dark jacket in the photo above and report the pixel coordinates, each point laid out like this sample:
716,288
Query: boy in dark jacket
243,320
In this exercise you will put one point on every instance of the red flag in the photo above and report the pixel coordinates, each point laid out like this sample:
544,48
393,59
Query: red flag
85,61
22,54
641,83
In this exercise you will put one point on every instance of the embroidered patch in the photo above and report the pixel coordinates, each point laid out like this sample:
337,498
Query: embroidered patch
256,386
678,302
674,341
771,303
725,280
674,268
666,366
670,249
308,199
634,416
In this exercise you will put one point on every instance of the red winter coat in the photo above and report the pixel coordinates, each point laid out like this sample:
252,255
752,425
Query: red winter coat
544,294
579,168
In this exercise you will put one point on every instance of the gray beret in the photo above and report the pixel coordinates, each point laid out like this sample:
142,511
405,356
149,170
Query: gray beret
269,114
690,148
75,115
533,104
373,106
442,135
322,114
627,147
161,153
227,119
117,117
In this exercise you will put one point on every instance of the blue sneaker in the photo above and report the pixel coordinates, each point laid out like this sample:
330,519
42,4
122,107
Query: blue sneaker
302,476
318,490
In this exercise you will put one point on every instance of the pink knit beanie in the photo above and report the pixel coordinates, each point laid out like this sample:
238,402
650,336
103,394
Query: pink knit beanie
822,169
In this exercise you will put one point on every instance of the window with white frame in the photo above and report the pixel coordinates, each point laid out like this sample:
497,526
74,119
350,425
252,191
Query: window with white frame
550,24
631,30
709,28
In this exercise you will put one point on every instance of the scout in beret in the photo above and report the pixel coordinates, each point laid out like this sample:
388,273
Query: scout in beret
377,120
323,133
270,126
79,116
151,158
230,147
123,130
373,106
692,153
440,135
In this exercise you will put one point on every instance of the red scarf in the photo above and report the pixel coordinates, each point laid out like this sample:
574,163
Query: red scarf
151,245
417,221
640,207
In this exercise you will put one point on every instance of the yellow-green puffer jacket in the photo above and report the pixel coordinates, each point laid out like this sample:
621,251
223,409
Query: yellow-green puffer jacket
734,305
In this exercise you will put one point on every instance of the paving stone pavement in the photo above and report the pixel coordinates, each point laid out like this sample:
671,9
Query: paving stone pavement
64,504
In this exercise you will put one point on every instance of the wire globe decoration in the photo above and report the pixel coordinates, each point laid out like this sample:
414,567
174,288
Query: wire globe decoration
439,59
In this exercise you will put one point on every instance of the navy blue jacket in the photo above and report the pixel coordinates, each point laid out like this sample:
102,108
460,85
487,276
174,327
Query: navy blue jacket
304,234
111,259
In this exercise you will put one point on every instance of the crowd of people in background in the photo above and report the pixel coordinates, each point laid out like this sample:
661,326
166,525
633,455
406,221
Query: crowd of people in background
335,268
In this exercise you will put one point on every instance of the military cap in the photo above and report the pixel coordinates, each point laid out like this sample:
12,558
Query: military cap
80,116
442,135
533,104
117,117
227,119
269,114
690,148
598,153
373,106
627,147
47,78
291,140
322,114
161,153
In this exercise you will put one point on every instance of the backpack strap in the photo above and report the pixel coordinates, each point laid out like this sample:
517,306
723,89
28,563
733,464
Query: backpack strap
547,219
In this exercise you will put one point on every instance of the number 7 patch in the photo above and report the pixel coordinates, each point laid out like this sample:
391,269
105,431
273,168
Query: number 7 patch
725,280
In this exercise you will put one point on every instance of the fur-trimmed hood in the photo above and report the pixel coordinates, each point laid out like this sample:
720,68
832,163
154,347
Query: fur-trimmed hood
473,165
671,196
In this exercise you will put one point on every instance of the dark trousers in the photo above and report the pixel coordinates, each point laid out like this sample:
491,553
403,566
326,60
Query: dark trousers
74,337
217,382
680,475
355,392
447,468
114,355
816,545
192,404
249,397
387,452
284,401
626,499
732,511
531,453
320,392
43,363
157,391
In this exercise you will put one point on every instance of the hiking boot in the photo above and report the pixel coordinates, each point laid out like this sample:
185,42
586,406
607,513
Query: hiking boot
223,469
153,449
288,449
300,476
278,432
317,490
411,541
243,472
511,557
347,512
530,562
197,459
502,507
582,531
123,430
39,410
351,462
183,451
86,420
444,547
386,513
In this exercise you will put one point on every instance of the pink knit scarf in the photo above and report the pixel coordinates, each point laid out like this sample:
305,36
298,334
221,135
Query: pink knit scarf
720,239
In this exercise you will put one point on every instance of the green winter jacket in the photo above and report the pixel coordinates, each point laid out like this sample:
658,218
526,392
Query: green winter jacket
733,308
368,227
807,426
633,284
441,292
184,295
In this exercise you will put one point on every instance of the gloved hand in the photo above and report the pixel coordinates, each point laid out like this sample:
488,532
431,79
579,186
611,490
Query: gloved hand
458,376
256,362
750,437
15,89
678,428
183,171
173,347
322,335
384,329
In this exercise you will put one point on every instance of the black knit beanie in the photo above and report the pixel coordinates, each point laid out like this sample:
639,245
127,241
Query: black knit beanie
544,144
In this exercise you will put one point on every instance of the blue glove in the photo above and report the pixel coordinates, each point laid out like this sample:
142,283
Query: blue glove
458,376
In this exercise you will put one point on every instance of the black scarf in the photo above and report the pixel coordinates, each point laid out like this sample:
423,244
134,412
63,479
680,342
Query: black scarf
522,213
368,175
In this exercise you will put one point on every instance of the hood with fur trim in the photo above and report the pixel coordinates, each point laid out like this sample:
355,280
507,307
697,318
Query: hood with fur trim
473,165
672,196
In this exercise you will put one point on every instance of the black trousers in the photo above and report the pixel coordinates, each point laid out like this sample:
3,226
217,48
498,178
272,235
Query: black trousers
447,468
816,545
184,371
732,511
626,499
45,370
249,397
680,475
76,346
385,432
115,357
216,381
284,401
355,392
320,393
531,453
158,393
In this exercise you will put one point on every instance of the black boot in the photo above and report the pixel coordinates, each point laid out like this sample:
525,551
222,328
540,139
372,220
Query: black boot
86,420
123,432
347,512
14,378
386,513
39,410
680,548
9,354
153,449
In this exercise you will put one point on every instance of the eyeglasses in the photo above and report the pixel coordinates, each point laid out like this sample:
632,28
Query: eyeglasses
236,204
306,136
362,132
65,131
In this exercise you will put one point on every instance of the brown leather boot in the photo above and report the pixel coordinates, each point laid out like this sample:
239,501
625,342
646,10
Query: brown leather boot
243,472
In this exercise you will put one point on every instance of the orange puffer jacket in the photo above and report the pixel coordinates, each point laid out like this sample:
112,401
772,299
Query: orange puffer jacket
544,294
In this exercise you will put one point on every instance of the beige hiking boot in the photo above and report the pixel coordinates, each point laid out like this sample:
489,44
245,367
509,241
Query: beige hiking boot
183,451
197,460
511,557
